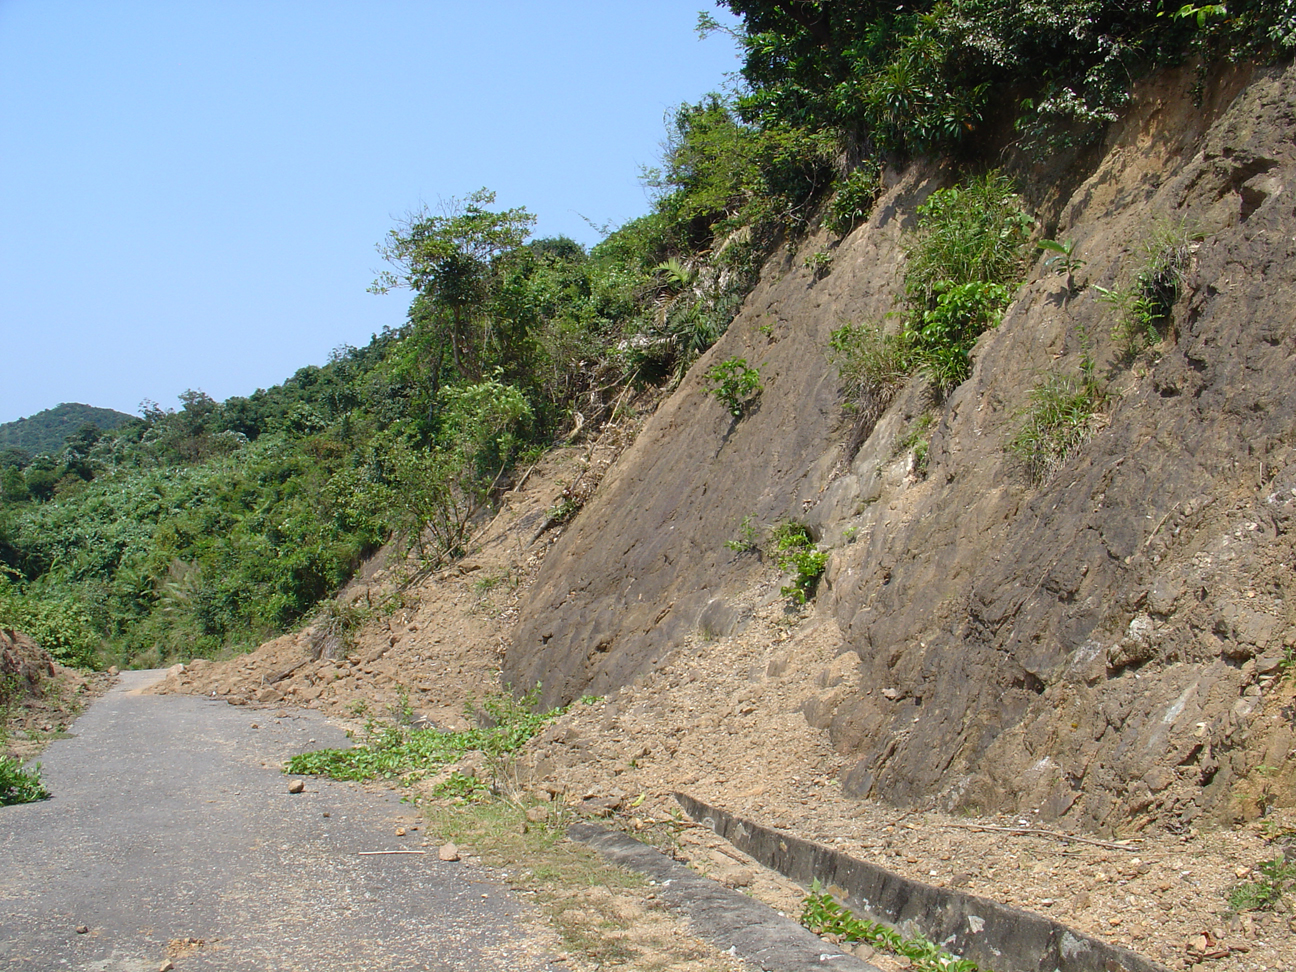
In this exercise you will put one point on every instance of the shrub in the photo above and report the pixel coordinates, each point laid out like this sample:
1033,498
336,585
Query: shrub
964,265
734,383
794,549
854,198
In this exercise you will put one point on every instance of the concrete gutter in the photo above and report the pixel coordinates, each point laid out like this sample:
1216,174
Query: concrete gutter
733,922
993,935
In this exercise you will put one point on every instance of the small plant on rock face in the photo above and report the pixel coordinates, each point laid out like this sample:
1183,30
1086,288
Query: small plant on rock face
794,550
747,539
734,383
1143,308
1064,261
1059,417
854,198
819,263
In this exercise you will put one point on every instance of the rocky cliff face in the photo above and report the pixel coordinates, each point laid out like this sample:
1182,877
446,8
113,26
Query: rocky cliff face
1104,647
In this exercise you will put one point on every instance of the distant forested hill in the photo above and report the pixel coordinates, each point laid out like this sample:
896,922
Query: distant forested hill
45,431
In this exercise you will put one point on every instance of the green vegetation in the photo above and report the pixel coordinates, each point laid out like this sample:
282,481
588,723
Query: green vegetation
1064,260
1059,417
734,383
1143,307
18,785
393,751
928,77
207,529
793,549
824,916
965,262
212,528
748,537
46,431
1275,879
918,441
851,203
819,263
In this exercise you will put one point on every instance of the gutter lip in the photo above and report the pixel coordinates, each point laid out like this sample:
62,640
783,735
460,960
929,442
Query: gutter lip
991,934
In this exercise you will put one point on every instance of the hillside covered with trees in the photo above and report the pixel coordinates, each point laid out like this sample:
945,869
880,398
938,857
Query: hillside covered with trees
213,526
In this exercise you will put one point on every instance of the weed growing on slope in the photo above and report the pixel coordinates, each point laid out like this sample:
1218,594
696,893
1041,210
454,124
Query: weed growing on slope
854,198
1277,877
748,537
965,263
1143,307
1058,418
734,383
824,916
819,263
794,549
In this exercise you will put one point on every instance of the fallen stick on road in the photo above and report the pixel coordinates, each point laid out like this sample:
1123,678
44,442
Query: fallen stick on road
372,853
1035,832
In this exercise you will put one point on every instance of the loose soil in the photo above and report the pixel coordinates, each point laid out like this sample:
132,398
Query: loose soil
729,719
39,698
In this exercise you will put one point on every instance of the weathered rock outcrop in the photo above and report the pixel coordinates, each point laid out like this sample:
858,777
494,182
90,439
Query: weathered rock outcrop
1097,648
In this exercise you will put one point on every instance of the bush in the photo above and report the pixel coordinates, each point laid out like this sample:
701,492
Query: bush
734,383
794,550
854,198
964,265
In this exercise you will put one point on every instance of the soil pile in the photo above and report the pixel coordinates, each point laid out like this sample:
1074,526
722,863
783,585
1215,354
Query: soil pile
39,698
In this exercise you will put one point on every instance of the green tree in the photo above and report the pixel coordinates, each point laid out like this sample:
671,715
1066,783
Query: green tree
449,259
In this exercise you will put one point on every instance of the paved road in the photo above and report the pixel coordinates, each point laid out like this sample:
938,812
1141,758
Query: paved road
171,822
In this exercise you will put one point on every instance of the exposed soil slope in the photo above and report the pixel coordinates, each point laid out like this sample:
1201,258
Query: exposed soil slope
39,698
1099,650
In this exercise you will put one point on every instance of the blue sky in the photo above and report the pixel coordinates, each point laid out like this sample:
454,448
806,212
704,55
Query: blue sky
191,192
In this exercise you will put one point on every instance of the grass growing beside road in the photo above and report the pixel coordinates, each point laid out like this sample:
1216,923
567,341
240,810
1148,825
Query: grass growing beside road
391,751
18,785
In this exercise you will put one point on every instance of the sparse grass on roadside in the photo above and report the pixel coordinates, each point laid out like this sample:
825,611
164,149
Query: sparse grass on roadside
602,913
394,751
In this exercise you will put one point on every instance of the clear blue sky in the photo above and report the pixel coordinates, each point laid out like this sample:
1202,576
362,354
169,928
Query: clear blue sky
191,192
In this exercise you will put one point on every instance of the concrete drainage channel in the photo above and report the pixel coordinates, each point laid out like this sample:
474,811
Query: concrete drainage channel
993,935
735,923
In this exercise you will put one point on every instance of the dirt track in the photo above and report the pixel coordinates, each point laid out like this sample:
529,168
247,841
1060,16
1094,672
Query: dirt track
171,835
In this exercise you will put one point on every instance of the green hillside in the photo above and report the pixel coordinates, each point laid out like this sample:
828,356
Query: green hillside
45,431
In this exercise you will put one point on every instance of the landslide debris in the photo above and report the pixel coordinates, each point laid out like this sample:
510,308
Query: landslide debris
39,698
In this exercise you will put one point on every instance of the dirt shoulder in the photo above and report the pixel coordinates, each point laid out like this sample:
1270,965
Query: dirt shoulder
736,721
39,698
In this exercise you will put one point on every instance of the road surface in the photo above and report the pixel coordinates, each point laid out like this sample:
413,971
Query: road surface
171,836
